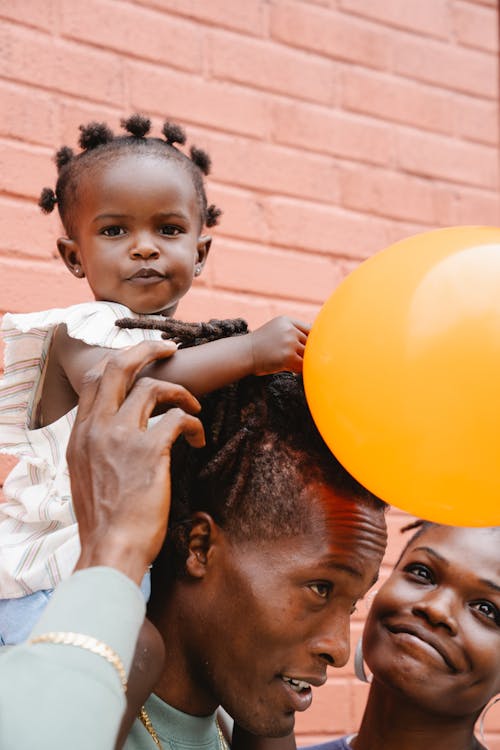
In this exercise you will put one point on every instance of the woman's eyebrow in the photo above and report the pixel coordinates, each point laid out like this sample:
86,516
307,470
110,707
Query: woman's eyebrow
490,584
432,553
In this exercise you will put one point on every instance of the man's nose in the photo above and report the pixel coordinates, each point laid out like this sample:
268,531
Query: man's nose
332,644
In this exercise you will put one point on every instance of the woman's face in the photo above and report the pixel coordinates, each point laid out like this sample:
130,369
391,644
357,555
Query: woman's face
433,632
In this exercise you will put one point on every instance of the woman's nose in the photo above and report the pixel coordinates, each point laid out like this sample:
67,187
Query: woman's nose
438,608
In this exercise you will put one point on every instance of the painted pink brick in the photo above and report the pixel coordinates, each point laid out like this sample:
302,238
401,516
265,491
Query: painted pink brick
476,26
394,194
396,99
334,132
431,17
53,64
224,106
255,268
249,61
27,115
134,31
325,229
333,34
446,65
249,17
452,160
273,169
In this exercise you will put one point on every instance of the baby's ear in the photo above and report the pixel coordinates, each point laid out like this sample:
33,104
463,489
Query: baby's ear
70,253
202,247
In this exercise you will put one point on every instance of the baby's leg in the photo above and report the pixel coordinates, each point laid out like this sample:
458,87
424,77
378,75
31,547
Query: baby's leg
19,616
144,674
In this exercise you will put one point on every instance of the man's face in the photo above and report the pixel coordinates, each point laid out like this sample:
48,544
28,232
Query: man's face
281,608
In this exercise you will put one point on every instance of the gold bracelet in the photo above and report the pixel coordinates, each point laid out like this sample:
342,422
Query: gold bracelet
90,644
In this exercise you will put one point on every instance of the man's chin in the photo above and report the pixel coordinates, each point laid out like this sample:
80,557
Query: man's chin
267,726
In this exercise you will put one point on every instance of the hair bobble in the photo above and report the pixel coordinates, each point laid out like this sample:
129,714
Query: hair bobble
213,215
173,133
201,159
47,200
63,157
94,134
137,125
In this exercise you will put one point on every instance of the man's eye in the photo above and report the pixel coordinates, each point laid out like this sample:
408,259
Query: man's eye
487,609
420,571
321,589
169,230
114,231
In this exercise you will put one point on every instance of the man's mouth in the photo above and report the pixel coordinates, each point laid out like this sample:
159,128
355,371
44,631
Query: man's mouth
297,685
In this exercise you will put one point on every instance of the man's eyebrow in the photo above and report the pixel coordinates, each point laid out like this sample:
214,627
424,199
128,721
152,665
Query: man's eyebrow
344,567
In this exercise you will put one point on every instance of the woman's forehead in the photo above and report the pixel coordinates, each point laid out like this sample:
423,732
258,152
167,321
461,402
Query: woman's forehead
476,549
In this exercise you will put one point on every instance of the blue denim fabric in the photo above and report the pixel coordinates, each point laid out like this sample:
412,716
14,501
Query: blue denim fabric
19,616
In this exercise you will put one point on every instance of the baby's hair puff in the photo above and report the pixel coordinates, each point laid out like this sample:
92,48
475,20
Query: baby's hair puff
99,144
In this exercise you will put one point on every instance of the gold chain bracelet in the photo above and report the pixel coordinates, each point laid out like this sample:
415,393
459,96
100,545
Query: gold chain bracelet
89,644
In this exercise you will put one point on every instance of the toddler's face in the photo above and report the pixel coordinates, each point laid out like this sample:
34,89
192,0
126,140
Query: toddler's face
136,235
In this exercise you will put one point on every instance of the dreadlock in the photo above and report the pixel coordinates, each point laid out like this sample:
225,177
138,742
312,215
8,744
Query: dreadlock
262,451
99,144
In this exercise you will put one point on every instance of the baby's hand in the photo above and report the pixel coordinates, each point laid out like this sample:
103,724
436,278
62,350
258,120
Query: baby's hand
279,345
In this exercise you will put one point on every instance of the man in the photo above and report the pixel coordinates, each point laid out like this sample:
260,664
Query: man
270,545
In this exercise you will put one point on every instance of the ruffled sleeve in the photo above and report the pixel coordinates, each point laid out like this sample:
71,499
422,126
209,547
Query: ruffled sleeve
27,342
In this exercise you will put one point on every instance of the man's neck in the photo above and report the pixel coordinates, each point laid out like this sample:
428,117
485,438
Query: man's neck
181,684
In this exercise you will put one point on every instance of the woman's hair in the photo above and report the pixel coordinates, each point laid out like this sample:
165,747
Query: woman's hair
262,450
99,145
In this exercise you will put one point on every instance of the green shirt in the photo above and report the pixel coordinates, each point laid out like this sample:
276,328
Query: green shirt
176,730
57,697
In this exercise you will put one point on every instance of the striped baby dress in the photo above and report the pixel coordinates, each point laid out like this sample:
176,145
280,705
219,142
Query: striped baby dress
39,543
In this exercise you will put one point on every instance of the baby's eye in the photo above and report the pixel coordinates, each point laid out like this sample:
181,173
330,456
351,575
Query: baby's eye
113,231
170,230
487,609
321,588
420,571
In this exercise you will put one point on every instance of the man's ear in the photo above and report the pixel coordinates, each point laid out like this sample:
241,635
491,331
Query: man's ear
202,247
204,532
70,253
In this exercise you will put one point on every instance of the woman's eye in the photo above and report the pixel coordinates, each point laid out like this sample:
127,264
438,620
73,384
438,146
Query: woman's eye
321,589
488,610
420,571
169,230
114,231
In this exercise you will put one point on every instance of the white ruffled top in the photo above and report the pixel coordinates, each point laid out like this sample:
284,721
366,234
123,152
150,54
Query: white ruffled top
39,543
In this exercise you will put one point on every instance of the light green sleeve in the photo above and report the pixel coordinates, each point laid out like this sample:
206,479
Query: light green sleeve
56,697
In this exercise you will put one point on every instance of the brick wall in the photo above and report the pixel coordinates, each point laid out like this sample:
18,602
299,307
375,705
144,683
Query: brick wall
336,127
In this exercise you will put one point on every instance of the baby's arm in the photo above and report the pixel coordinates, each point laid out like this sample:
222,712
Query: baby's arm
275,346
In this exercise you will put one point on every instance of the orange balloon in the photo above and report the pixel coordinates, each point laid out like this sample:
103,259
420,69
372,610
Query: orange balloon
402,375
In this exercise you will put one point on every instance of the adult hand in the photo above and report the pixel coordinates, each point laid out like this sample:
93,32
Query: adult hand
119,469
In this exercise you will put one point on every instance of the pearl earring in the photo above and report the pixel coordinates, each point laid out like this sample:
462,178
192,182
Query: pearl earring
197,271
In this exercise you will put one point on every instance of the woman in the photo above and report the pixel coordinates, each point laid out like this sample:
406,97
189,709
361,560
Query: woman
432,643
